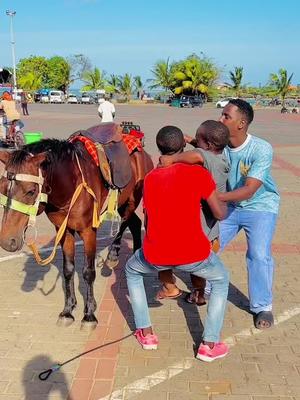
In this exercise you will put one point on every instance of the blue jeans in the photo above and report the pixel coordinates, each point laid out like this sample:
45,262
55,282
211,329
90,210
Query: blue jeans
259,227
211,269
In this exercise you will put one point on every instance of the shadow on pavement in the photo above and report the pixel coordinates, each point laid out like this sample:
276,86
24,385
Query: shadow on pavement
35,389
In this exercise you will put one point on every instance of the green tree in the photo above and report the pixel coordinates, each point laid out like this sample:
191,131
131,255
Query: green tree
236,77
163,75
58,73
38,66
94,80
30,82
281,83
194,75
126,86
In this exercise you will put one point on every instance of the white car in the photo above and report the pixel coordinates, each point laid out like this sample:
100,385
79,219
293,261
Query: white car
86,98
223,102
56,96
72,99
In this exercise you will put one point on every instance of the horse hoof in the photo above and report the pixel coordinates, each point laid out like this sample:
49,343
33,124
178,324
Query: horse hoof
112,263
88,323
105,271
102,256
64,321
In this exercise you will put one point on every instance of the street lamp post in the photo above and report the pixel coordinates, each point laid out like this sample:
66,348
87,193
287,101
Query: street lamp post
11,14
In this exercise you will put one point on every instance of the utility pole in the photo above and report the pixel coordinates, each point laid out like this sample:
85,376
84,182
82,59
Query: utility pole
11,14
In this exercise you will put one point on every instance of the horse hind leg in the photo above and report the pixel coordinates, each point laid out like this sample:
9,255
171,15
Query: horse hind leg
135,227
112,259
89,274
68,246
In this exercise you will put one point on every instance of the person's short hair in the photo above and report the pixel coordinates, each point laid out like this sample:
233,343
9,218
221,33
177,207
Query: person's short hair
214,133
244,108
170,140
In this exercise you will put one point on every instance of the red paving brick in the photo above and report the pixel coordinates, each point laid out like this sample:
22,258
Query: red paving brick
81,389
100,389
287,166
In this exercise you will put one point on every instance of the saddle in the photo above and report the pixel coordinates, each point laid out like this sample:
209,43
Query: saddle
111,150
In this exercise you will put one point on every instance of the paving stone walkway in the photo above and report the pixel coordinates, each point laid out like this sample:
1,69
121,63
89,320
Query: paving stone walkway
262,365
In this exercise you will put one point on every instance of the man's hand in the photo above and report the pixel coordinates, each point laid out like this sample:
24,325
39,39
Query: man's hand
188,139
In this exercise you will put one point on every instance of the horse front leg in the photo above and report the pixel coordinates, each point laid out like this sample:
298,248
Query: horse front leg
89,274
68,247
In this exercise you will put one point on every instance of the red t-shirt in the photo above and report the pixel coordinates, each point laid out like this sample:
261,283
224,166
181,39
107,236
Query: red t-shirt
172,196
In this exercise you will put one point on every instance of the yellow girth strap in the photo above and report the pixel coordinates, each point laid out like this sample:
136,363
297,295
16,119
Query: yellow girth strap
109,209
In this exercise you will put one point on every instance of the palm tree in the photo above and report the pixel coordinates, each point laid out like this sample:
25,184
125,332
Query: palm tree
281,83
94,80
125,86
236,77
112,84
194,75
138,85
163,76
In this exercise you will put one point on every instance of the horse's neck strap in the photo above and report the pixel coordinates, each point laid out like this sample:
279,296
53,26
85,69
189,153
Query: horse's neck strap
24,177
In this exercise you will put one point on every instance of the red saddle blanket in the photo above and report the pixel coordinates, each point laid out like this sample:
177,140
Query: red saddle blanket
132,143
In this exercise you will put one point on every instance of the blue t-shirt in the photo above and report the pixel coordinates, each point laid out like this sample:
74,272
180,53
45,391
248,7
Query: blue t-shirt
253,159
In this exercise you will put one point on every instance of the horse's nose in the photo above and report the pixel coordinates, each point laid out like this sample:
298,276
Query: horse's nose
13,244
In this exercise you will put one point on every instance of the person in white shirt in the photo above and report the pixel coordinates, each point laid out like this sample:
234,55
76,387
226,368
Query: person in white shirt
106,111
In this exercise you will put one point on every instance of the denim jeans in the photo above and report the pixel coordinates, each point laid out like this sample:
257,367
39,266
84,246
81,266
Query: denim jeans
211,269
259,227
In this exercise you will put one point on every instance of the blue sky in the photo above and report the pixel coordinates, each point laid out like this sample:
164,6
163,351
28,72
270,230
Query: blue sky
130,36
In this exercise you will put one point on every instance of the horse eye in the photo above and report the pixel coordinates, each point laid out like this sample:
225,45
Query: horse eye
31,192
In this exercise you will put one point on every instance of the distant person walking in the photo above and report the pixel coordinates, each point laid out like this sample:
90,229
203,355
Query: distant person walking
106,110
24,102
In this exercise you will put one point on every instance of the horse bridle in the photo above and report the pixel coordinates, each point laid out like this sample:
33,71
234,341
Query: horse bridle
29,209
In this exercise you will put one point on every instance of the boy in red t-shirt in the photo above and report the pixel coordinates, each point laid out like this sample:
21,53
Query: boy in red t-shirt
175,239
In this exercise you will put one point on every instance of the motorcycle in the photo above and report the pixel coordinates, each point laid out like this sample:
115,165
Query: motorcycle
11,135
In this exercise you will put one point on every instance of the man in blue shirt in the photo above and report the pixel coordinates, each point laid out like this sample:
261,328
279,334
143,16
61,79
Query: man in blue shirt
253,202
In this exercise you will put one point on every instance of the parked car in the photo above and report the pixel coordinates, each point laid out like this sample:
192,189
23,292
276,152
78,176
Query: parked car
44,98
72,99
223,102
56,96
87,98
190,101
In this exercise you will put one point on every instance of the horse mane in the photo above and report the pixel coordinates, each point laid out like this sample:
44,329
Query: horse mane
57,150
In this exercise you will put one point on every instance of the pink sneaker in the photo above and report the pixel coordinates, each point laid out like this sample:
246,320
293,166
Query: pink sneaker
148,342
205,353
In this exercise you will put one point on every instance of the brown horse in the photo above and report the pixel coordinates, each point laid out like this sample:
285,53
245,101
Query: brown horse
56,162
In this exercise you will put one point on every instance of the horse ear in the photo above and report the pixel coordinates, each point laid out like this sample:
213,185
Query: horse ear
39,158
4,156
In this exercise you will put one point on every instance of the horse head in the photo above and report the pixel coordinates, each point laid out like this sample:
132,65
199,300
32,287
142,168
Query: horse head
20,193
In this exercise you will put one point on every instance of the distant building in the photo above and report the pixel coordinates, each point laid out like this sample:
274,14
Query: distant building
223,85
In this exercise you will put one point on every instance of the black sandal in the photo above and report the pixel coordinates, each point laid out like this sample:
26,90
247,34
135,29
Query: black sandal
263,320
193,298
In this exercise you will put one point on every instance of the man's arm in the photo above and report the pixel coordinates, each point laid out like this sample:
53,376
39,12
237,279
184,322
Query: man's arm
218,208
242,193
188,157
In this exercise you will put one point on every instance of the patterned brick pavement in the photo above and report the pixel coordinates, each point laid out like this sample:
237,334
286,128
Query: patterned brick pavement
261,365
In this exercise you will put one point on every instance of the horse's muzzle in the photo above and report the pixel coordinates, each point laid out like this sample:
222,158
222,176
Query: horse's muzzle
11,244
